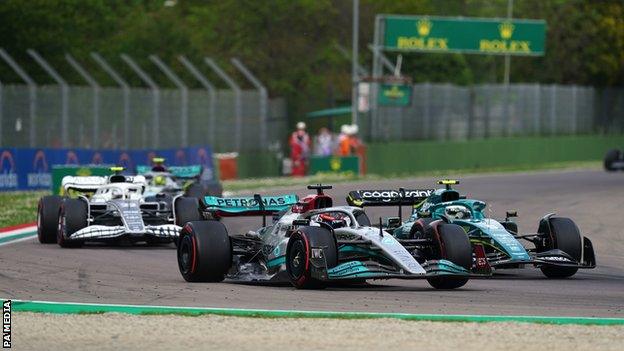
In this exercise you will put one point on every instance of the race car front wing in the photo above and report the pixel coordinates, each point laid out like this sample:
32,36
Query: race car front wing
95,232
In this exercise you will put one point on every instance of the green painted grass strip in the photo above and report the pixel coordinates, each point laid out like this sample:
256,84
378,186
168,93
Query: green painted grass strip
16,237
85,308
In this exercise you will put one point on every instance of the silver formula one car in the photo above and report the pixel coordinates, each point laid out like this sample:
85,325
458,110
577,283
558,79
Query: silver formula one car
104,209
310,243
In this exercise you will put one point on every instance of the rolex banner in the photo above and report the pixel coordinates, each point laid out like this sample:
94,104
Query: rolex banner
335,164
467,35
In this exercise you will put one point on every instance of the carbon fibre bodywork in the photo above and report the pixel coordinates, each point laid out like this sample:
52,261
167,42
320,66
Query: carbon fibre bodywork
364,252
498,241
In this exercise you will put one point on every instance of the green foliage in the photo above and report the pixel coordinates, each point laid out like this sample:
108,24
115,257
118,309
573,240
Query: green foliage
19,207
290,44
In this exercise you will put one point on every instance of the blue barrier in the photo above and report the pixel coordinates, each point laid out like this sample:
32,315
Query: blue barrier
30,168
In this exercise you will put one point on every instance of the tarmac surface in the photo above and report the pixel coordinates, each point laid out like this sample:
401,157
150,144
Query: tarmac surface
149,275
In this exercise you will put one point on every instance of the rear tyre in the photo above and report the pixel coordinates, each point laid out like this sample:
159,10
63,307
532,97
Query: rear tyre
450,242
562,234
204,251
72,217
299,255
47,218
612,156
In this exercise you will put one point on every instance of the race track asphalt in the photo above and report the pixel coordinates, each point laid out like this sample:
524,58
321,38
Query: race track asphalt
149,275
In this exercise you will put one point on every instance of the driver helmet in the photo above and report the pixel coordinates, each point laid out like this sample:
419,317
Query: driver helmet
160,180
334,221
457,212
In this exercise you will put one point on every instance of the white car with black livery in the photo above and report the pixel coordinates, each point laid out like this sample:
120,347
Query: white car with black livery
107,208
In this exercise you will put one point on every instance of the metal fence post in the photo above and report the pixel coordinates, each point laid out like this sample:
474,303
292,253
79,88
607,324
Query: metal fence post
486,107
155,93
96,97
574,114
377,71
125,88
538,109
553,108
183,95
384,60
427,110
212,94
262,90
237,99
32,94
64,97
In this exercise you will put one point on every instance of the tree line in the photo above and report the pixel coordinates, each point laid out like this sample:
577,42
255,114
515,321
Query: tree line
291,45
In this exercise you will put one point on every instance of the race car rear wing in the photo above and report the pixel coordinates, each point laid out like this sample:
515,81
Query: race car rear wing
192,171
249,206
401,197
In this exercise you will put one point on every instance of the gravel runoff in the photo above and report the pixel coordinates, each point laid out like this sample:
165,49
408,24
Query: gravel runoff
113,331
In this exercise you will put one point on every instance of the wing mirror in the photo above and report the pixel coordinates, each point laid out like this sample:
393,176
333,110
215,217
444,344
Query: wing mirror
392,222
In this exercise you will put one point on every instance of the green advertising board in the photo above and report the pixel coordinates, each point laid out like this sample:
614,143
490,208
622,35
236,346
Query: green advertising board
399,95
335,164
60,171
467,35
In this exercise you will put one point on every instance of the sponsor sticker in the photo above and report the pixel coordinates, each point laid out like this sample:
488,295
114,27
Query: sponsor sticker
389,195
6,324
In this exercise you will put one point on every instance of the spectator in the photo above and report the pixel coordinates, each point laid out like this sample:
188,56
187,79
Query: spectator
343,141
324,143
357,147
299,150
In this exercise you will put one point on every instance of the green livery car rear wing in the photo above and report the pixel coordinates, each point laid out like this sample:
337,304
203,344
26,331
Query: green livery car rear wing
191,171
249,206
363,198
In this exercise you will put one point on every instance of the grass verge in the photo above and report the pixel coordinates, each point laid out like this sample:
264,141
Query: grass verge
19,207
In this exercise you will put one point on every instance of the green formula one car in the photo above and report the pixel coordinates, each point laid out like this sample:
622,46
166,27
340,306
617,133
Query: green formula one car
558,248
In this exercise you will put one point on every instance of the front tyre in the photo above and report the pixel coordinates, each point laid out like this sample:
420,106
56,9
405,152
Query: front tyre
449,242
204,251
186,209
563,234
299,258
47,218
72,217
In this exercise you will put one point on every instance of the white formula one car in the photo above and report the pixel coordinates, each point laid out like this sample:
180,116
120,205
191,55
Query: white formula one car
104,209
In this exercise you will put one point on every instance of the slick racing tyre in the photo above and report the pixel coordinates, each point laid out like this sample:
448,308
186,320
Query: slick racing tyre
186,210
204,251
299,254
611,157
47,218
72,217
562,234
449,242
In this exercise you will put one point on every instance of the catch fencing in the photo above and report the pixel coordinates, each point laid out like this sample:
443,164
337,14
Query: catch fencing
143,130
449,112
